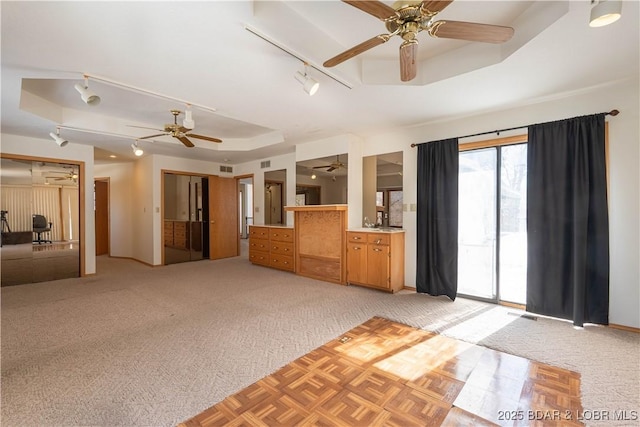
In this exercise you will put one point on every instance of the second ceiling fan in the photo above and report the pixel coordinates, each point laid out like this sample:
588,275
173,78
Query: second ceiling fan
407,19
179,132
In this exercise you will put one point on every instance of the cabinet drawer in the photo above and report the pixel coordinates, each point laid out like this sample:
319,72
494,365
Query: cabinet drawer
259,245
378,238
283,248
356,237
259,257
281,234
258,232
283,262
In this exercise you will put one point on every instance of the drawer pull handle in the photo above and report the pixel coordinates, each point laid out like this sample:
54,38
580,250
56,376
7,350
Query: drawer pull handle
378,241
377,249
356,238
356,248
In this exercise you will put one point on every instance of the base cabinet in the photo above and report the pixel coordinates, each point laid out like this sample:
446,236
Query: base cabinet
272,247
376,259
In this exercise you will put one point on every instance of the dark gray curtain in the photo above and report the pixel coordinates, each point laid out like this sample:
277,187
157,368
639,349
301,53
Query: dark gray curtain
567,220
437,218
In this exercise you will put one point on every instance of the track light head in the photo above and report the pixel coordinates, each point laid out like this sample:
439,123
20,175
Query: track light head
137,150
58,139
605,12
309,84
88,96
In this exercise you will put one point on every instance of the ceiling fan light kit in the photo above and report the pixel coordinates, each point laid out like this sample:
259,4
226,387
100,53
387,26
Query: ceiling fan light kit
88,96
605,12
407,19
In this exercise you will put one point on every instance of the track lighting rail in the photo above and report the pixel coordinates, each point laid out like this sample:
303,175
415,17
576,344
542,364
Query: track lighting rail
298,57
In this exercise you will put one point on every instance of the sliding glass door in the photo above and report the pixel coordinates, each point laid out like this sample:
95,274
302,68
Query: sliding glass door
492,223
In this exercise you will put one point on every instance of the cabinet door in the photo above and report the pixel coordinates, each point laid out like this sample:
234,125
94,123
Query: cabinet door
356,263
378,265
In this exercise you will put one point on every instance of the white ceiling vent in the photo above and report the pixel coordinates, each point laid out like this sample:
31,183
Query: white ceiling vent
265,164
227,169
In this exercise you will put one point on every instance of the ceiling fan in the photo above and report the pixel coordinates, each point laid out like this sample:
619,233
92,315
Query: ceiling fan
67,176
333,166
179,132
407,19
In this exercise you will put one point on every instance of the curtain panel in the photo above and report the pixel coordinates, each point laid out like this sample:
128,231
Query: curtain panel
567,220
437,218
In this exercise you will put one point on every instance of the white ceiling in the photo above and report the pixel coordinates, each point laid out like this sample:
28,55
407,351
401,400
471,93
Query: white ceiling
201,53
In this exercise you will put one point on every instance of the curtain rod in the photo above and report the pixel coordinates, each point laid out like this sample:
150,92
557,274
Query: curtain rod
610,113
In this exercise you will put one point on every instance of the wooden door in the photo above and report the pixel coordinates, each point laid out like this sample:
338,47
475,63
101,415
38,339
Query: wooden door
101,189
223,218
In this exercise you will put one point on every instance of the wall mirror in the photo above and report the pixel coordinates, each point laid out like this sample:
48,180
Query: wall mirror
382,190
275,196
184,211
40,206
322,181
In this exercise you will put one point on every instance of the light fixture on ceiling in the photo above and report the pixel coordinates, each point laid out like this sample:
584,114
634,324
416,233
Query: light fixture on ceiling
137,150
58,139
313,176
309,84
605,12
188,119
88,96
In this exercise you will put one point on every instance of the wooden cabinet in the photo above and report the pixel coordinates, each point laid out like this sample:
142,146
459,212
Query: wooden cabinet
272,246
376,259
320,236
175,234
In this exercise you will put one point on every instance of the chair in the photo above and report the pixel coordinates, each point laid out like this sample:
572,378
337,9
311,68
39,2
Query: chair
40,225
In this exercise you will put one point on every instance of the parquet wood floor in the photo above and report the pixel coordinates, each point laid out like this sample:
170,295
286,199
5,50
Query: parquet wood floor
383,373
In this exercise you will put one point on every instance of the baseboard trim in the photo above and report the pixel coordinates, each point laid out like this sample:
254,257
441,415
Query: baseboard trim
408,288
624,328
136,260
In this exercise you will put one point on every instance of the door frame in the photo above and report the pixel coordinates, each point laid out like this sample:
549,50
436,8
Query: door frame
81,197
161,225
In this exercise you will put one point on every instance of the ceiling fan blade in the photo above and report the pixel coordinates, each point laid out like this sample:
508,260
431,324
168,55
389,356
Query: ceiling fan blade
183,129
408,52
206,138
320,167
185,141
375,8
356,50
430,8
331,169
153,136
471,31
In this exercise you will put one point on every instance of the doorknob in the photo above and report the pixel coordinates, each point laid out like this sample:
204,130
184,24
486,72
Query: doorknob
213,222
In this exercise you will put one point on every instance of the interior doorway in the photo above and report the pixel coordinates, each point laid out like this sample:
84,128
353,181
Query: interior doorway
101,210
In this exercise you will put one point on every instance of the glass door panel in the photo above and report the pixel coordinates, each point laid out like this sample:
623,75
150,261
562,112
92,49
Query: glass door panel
477,223
513,223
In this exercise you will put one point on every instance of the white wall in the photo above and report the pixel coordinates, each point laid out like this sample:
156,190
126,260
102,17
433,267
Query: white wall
46,148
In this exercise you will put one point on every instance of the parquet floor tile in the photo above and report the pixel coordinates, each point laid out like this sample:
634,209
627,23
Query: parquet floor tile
382,373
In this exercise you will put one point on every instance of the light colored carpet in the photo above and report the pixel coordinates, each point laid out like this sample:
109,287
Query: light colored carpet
142,346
